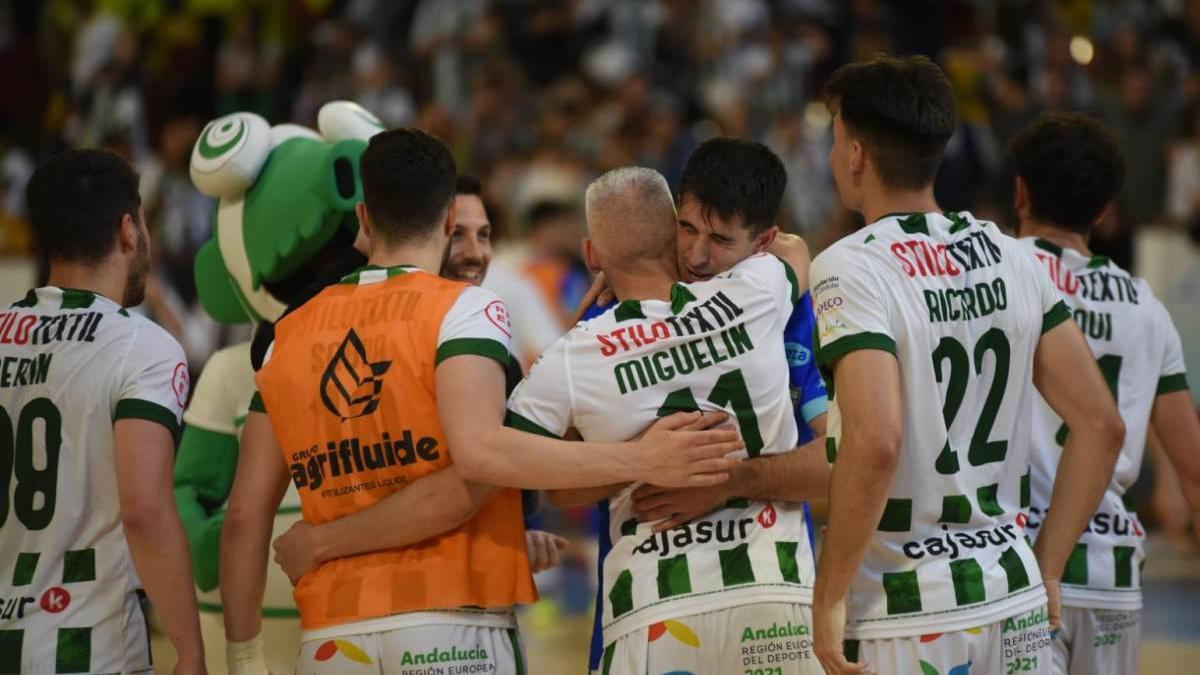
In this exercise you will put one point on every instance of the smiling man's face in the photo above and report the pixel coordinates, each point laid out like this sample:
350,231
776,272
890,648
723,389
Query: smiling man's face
708,246
470,250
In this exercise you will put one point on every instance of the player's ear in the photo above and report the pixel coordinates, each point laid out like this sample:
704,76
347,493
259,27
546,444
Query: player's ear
1104,213
364,224
590,257
451,217
1021,198
857,157
764,239
128,233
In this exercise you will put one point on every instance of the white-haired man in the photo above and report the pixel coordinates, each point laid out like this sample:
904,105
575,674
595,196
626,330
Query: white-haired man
730,590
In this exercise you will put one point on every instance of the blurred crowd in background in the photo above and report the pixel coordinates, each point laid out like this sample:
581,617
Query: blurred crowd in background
536,97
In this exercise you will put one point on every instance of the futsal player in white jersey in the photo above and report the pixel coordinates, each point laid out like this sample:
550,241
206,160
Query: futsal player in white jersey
1069,172
933,326
729,591
91,397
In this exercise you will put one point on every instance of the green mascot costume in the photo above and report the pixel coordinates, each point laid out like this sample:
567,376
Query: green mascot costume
285,216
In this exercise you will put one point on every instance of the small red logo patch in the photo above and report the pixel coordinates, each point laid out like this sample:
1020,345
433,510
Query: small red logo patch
1021,520
767,516
497,313
56,600
179,384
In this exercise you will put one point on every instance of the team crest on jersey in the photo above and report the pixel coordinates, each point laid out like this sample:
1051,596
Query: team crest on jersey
352,384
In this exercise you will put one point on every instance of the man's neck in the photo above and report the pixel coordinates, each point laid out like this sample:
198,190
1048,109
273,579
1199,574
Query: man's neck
884,202
426,254
103,279
1055,235
642,285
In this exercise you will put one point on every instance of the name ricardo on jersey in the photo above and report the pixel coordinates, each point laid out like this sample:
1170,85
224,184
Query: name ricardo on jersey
311,467
19,328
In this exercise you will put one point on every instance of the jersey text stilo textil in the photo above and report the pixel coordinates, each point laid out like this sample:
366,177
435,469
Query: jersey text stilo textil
72,363
962,307
716,345
1139,352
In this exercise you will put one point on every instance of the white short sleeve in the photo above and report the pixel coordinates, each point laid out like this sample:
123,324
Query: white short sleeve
848,305
1172,374
154,380
1054,310
770,273
476,324
542,402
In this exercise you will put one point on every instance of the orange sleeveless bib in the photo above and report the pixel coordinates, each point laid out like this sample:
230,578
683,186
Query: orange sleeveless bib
350,392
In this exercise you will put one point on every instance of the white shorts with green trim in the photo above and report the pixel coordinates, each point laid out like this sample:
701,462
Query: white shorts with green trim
1098,641
417,650
760,639
1020,644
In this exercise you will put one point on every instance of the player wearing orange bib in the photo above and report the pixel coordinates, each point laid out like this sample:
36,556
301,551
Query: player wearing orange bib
354,386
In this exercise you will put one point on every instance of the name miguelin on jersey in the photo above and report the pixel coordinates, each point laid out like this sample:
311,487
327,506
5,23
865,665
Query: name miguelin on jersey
666,365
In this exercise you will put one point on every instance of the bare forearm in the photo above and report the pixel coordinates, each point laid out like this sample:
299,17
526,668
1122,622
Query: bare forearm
244,548
795,476
1178,430
583,496
1083,475
429,507
512,458
854,515
160,554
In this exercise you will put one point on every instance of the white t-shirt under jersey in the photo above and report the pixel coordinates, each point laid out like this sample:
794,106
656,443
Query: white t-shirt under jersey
1139,352
71,364
715,346
962,307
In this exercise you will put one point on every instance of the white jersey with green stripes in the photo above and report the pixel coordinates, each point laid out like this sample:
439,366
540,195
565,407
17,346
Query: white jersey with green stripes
715,346
71,364
962,307
1139,352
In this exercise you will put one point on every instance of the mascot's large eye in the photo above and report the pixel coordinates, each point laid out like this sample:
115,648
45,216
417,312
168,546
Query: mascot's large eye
343,175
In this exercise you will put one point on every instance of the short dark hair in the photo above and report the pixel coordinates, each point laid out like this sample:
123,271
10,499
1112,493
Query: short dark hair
904,111
735,177
1072,168
468,185
408,178
77,200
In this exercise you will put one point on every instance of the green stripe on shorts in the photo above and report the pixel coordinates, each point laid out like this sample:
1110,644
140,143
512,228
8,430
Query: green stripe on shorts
518,657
